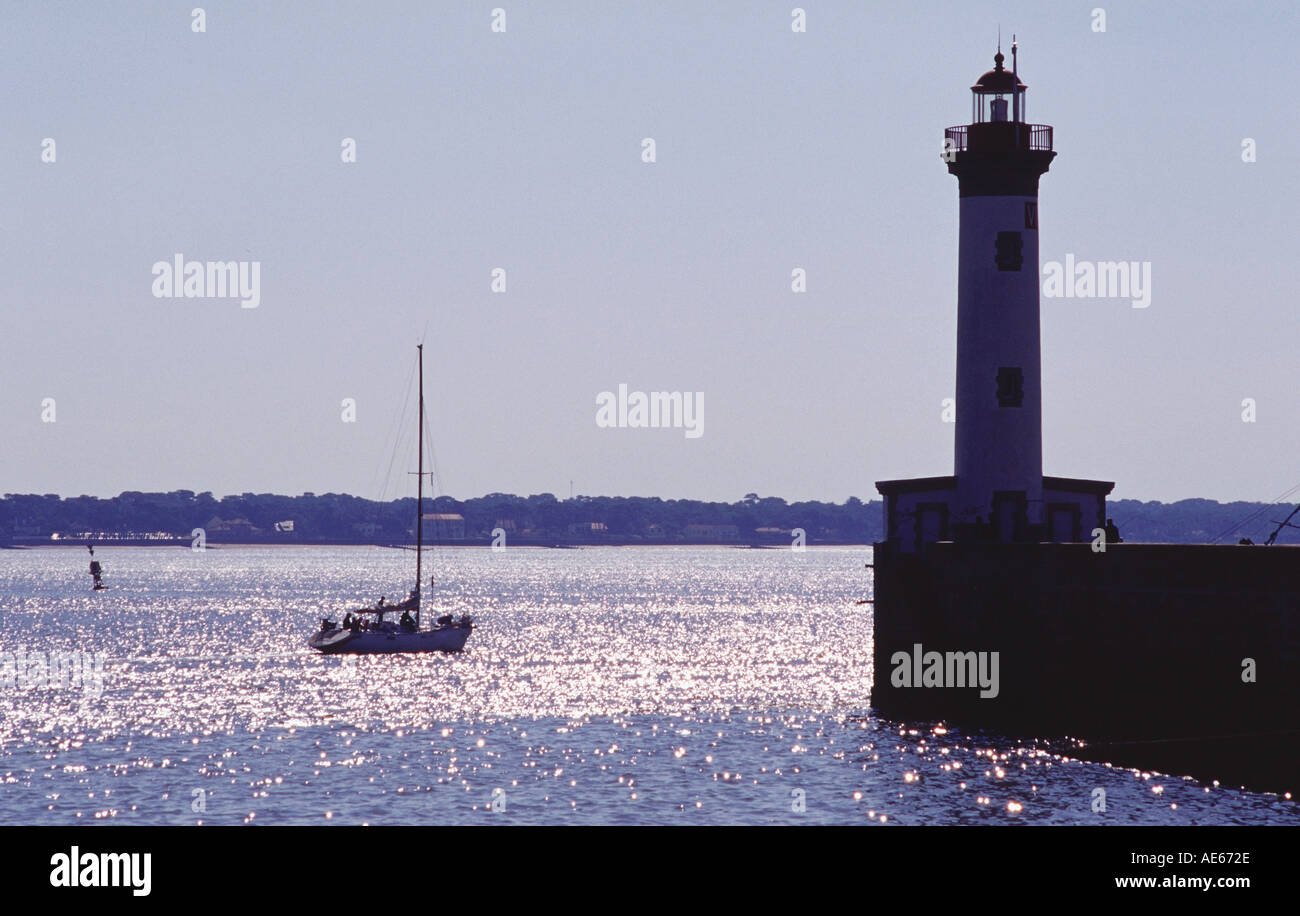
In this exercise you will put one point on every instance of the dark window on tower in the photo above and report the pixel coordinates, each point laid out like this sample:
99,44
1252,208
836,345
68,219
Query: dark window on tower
1011,386
1010,251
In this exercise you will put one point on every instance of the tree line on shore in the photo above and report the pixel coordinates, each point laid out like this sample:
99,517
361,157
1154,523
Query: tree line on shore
341,518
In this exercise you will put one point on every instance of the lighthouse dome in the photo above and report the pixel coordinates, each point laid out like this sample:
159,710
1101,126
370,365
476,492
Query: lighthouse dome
999,80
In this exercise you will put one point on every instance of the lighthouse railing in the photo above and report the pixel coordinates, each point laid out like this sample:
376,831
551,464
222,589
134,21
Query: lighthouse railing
997,135
1040,136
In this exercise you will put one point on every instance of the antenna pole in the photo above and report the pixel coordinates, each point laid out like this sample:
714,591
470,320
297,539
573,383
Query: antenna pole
419,499
1015,91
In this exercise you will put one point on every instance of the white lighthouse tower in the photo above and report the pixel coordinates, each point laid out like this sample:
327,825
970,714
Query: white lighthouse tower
998,491
998,159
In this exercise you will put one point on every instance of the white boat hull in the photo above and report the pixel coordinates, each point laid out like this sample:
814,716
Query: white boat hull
381,642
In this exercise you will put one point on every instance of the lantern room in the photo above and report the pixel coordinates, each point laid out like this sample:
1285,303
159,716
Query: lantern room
997,123
998,95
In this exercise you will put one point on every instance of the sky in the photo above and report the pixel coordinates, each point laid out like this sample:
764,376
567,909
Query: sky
523,150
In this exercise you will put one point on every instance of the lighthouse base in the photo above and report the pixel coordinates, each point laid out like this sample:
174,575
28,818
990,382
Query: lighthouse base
1180,658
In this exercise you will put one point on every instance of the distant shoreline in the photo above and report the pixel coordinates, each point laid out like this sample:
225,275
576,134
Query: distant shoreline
186,543
542,520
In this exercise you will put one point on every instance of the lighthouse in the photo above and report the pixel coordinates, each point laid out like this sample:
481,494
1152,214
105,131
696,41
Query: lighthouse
1131,647
998,159
997,491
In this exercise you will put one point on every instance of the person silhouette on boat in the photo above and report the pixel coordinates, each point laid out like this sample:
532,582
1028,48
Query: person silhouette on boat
347,621
407,622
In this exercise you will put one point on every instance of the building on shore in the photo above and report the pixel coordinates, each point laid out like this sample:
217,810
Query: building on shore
444,526
696,532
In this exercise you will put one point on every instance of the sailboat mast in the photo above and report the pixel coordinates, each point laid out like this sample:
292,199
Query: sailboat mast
419,500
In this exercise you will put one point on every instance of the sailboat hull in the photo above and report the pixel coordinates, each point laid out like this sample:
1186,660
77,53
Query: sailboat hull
380,642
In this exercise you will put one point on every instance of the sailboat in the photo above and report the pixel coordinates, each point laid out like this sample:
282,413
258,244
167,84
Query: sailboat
359,634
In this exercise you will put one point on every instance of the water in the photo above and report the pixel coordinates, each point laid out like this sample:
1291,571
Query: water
604,685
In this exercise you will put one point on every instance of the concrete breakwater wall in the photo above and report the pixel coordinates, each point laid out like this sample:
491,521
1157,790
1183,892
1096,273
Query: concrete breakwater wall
1175,657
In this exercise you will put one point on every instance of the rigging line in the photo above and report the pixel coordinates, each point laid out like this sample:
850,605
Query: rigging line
1285,523
434,477
1273,504
1256,514
394,436
1241,523
377,483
